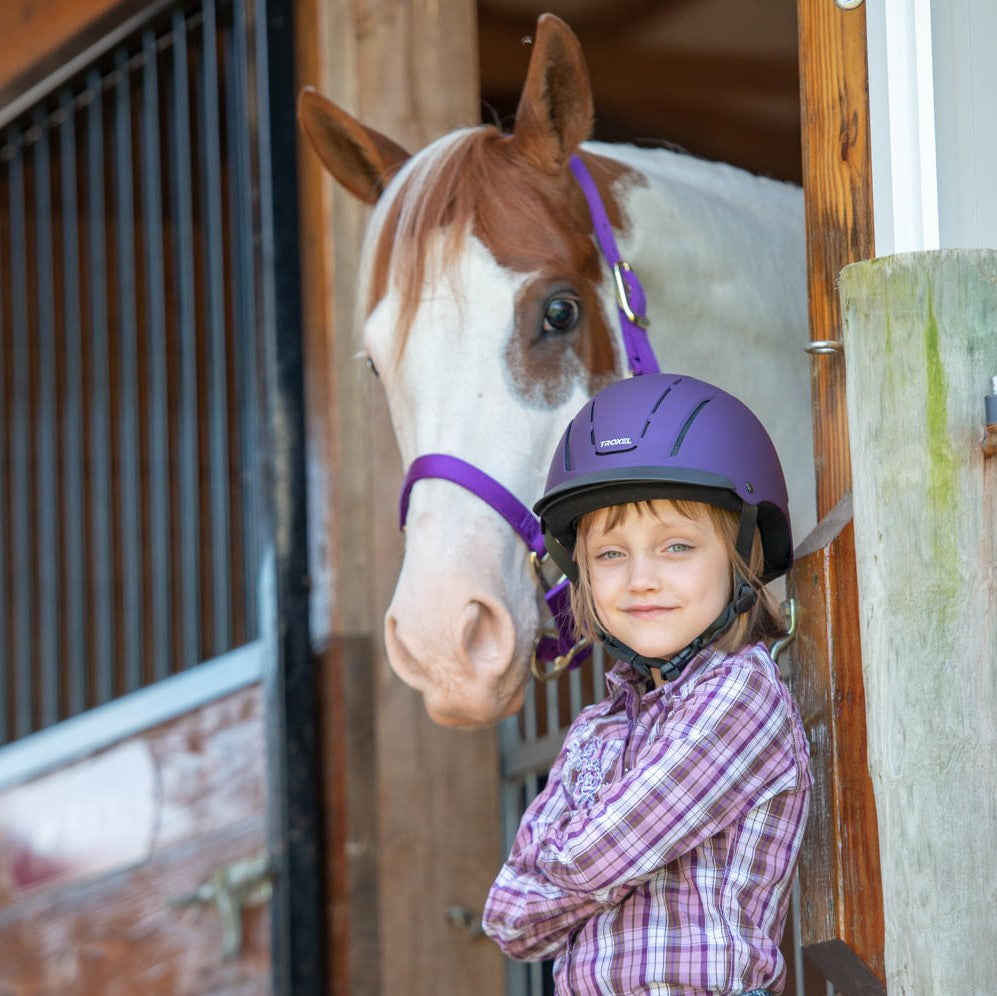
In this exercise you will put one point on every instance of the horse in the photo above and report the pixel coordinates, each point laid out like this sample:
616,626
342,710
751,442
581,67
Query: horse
490,317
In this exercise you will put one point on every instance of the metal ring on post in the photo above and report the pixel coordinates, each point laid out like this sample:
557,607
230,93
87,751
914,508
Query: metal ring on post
821,346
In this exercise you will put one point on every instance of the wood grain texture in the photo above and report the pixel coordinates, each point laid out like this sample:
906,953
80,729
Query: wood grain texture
837,182
921,349
414,821
37,36
840,875
839,866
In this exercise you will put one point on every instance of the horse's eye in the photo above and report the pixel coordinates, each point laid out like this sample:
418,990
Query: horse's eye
562,315
371,367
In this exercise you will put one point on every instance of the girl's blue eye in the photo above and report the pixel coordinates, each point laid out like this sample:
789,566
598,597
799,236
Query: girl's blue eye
678,547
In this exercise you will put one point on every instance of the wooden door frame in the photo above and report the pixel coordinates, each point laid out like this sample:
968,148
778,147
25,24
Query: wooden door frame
842,905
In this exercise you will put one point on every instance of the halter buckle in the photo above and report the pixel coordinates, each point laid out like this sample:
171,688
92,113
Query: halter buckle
623,294
559,665
538,561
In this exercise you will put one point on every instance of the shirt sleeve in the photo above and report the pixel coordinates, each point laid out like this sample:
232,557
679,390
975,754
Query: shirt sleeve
528,916
724,750
727,750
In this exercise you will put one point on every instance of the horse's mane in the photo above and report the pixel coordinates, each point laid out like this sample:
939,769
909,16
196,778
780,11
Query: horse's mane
474,181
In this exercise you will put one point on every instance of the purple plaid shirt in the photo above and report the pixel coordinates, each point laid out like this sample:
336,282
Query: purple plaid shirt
660,854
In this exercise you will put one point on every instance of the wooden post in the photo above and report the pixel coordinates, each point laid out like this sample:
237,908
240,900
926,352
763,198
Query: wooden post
839,868
920,350
414,822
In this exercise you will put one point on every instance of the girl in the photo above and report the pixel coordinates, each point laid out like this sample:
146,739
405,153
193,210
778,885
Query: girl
660,854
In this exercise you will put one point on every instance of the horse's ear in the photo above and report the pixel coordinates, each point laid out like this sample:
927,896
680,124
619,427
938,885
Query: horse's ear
361,159
555,113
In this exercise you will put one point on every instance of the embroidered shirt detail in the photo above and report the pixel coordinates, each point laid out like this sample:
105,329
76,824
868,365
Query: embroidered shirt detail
583,771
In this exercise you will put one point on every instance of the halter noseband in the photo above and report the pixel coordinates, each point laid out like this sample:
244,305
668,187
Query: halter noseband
557,650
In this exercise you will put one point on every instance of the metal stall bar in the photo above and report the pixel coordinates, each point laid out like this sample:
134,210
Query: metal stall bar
190,650
74,563
127,414
298,926
20,430
45,442
101,604
211,207
246,338
159,559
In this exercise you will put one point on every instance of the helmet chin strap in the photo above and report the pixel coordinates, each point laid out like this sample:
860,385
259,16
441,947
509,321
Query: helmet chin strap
743,598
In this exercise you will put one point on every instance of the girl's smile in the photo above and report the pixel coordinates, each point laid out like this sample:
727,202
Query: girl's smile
658,579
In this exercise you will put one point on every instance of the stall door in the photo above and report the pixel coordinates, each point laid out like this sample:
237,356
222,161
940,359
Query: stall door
157,807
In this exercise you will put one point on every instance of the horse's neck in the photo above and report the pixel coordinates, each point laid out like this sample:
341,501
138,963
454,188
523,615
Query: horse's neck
705,237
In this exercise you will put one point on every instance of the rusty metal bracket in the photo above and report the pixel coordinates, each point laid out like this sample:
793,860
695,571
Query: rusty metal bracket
233,888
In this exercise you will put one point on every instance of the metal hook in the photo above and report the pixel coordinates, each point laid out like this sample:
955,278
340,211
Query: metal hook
789,611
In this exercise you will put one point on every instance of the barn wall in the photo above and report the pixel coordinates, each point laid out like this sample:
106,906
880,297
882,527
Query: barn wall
920,352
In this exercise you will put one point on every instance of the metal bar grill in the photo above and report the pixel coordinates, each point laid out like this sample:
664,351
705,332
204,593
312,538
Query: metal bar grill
130,512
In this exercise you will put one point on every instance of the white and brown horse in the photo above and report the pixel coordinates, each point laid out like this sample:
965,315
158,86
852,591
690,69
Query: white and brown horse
490,314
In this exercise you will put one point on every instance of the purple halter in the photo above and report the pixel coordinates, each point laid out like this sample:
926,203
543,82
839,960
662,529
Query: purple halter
553,653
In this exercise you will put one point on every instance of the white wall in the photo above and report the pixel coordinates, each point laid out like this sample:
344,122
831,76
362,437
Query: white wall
933,113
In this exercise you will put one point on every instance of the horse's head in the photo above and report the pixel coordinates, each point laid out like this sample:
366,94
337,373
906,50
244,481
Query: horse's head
483,310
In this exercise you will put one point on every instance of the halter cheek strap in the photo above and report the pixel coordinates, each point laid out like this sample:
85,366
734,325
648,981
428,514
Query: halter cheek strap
630,299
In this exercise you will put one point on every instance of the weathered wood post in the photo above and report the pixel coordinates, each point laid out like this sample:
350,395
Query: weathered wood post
920,348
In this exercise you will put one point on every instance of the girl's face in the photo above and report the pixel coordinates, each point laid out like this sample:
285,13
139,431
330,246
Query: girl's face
657,580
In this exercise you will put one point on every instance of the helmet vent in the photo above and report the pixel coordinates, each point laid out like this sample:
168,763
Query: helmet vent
567,447
656,406
688,425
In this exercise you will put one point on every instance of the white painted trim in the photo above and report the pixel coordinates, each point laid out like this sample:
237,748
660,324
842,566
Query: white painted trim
902,121
131,714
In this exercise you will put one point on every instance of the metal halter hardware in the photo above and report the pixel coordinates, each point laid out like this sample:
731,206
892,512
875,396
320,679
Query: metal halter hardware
555,649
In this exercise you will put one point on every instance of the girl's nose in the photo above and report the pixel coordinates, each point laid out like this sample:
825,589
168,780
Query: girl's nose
642,574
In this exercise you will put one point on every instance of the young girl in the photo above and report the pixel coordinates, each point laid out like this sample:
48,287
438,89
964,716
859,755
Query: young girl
660,854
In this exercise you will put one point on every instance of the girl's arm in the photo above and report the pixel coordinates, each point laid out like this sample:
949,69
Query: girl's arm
529,917
727,749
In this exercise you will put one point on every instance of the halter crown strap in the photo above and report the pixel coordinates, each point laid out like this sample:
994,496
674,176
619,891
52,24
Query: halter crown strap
631,300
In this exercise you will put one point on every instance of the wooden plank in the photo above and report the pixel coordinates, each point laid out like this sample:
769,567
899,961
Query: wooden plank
839,866
416,827
840,875
193,801
925,566
42,35
837,181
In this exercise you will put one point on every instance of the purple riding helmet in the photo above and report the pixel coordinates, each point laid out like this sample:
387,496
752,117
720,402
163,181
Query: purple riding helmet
669,436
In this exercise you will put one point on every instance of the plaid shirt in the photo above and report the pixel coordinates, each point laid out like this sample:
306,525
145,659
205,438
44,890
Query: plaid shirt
660,854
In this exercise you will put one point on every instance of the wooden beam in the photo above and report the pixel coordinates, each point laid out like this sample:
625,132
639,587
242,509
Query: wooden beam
39,37
837,181
839,868
840,874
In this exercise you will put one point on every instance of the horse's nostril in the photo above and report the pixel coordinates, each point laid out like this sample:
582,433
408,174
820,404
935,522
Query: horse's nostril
487,637
403,661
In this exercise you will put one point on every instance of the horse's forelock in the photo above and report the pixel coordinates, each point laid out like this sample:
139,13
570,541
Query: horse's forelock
475,183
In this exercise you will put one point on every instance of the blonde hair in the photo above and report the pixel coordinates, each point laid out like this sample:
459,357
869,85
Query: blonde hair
762,622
